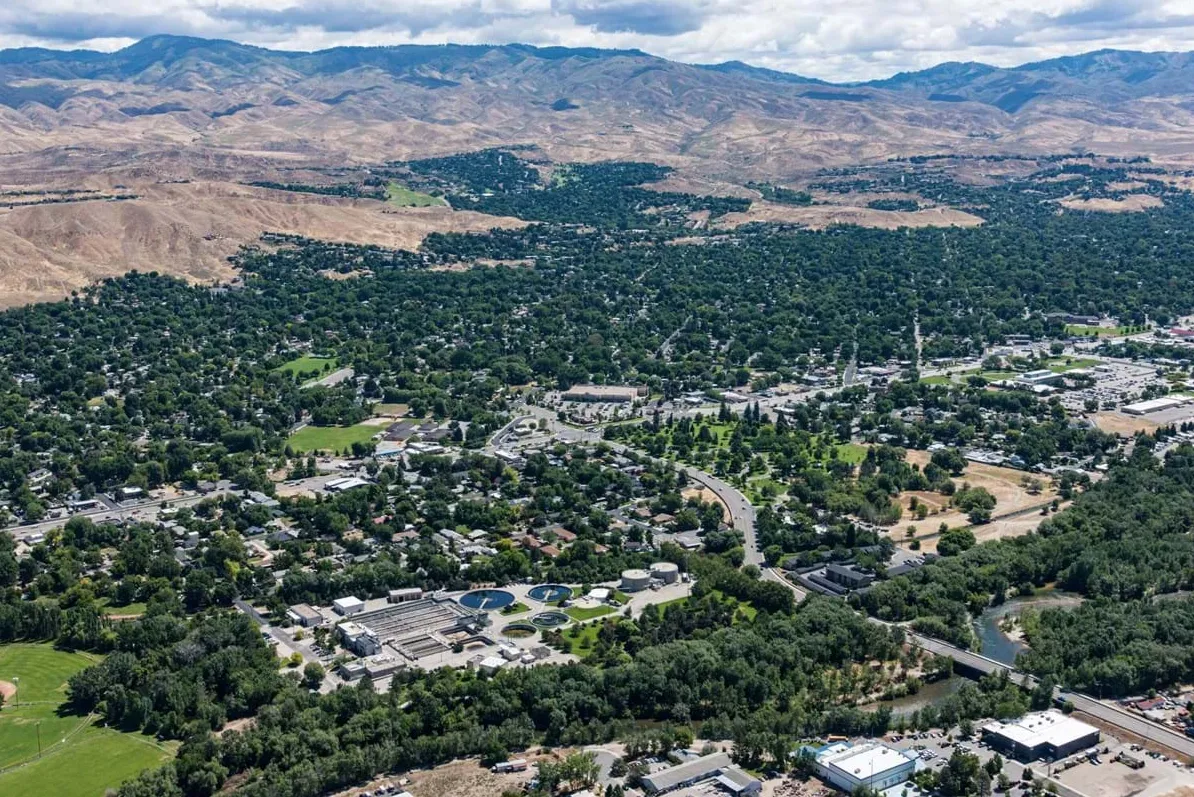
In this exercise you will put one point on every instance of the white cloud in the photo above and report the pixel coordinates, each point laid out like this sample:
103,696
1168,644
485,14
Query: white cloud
845,40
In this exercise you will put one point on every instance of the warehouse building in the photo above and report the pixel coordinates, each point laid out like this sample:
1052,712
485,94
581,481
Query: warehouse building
710,774
1154,405
872,765
605,393
1047,735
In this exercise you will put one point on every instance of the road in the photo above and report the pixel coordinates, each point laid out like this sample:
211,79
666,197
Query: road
1111,714
742,514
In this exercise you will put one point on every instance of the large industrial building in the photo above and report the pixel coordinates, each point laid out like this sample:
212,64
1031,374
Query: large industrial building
416,629
707,775
872,764
605,393
1048,735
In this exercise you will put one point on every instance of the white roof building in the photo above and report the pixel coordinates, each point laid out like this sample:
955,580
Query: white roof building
1045,734
872,764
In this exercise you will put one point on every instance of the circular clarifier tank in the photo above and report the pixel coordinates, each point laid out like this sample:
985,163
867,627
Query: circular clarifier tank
487,599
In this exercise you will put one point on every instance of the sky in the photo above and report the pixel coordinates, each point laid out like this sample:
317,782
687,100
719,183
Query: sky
838,40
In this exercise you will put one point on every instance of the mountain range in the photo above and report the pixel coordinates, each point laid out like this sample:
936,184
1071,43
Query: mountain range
223,106
139,158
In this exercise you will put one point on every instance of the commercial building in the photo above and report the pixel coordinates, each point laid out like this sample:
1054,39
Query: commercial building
710,772
344,484
1155,405
1048,735
1042,377
360,639
605,393
872,765
849,576
304,615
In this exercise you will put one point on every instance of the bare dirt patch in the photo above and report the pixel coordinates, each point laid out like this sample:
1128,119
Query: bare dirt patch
709,497
189,230
1011,497
820,216
1129,204
1126,425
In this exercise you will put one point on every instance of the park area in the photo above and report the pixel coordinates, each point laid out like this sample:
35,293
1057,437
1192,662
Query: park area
308,366
77,757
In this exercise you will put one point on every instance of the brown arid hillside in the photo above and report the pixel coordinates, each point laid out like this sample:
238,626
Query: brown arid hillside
179,122
190,230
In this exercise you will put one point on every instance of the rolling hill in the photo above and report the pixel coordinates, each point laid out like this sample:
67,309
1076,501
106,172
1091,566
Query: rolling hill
175,123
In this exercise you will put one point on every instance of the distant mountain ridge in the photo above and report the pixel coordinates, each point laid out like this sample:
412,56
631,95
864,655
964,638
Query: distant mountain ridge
1125,73
171,94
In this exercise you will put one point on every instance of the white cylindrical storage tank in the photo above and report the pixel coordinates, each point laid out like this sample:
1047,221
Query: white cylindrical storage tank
667,572
635,580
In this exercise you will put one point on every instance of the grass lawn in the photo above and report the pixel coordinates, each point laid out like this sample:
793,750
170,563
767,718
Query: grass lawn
1100,332
390,409
995,376
401,196
516,608
331,438
851,452
935,380
43,671
308,365
78,758
581,638
87,765
580,614
128,610
1060,365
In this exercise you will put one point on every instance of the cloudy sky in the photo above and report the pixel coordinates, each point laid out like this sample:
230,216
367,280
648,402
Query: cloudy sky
831,39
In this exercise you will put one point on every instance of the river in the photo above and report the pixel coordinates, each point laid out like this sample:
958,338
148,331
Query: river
929,693
994,643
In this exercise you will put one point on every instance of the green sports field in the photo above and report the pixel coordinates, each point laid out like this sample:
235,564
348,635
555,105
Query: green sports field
331,438
401,196
77,757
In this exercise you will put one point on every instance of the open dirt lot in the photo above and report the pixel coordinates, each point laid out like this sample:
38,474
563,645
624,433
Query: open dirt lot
709,497
1010,496
1126,425
1129,204
820,216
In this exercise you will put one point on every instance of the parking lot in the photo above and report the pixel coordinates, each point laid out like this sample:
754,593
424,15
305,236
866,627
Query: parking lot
1101,776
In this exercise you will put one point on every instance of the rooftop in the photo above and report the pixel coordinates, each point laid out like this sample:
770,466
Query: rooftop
1047,727
864,760
697,768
